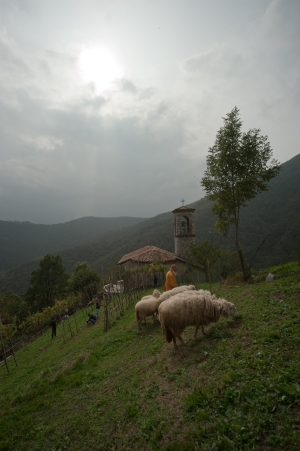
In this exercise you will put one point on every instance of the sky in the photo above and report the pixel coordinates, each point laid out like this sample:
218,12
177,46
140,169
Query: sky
108,107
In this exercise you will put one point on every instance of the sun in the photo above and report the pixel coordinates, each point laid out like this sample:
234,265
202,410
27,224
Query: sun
98,66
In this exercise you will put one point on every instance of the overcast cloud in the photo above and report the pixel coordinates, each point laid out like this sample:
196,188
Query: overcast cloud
108,107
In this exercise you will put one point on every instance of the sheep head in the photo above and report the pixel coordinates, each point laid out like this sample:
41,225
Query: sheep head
228,309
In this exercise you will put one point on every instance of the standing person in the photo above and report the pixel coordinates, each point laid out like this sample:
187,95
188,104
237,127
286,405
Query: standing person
99,298
53,325
155,280
152,271
171,278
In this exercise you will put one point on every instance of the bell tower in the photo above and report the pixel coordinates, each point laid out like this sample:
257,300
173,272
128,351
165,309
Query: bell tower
184,229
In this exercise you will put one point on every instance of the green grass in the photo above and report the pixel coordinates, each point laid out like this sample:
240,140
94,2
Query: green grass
237,388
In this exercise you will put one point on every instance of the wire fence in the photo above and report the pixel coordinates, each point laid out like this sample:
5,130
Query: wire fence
113,300
112,305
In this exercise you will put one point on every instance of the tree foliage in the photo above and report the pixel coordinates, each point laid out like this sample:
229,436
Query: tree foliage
84,280
13,309
204,255
238,168
48,282
38,321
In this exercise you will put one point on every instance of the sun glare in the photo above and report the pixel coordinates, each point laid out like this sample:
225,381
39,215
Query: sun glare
98,66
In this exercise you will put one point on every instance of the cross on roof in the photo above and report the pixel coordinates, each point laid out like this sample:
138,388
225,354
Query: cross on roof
182,200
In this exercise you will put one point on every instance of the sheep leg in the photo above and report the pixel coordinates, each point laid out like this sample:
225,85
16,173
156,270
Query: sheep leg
196,330
204,333
182,342
174,341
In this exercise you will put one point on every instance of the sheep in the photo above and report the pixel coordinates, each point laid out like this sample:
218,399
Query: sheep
156,294
204,292
167,294
191,309
207,296
147,306
226,308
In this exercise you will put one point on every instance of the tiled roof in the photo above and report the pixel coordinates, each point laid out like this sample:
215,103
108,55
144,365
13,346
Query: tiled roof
183,209
148,254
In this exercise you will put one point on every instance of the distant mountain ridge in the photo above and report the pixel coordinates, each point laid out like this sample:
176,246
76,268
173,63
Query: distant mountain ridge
21,242
275,212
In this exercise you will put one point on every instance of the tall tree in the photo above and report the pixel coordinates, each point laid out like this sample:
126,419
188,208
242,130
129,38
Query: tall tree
84,280
47,283
238,168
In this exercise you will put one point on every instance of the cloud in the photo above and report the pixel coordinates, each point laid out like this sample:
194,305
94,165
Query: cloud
70,151
43,143
91,162
127,86
259,72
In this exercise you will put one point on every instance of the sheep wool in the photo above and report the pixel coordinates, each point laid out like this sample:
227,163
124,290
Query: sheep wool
147,306
206,292
168,294
191,309
155,294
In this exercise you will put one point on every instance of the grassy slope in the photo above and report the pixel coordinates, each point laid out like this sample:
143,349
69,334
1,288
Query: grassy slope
232,389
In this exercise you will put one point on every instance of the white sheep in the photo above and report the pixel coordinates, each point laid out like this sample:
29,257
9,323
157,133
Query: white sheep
147,306
205,295
207,292
170,293
191,309
155,293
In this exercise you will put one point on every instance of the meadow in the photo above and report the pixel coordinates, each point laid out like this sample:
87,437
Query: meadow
236,388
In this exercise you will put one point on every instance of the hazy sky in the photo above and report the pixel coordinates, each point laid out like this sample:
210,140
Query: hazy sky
108,107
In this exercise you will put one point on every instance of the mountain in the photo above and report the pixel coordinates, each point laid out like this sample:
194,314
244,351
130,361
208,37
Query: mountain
275,212
21,242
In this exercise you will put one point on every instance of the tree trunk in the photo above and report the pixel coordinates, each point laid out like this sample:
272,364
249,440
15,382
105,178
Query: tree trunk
209,278
206,273
297,245
244,264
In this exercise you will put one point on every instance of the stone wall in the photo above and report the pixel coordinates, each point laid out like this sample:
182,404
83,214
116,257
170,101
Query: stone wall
182,244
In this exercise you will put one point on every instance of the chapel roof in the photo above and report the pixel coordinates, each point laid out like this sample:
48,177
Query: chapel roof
183,209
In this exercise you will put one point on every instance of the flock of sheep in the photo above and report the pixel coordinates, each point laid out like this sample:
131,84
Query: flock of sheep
181,307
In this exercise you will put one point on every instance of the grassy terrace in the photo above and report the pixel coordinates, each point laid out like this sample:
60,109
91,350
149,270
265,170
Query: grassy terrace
237,388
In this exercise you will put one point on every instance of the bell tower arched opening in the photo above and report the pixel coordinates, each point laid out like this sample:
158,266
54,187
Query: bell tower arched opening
184,230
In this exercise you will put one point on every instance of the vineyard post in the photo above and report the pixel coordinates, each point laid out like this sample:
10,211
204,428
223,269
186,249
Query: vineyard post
2,341
75,322
12,351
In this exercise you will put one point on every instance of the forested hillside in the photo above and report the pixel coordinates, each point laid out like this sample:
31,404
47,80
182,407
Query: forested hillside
20,242
275,213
